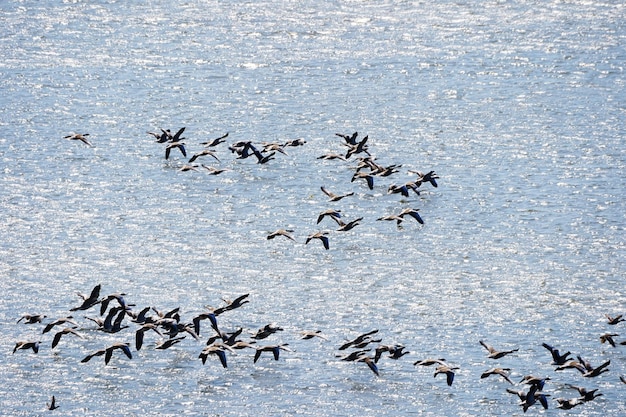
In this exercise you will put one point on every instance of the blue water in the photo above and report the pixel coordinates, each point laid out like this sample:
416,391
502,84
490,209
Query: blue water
518,106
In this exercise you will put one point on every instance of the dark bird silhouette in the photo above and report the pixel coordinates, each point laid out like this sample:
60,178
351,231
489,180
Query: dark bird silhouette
52,405
557,358
281,232
321,236
176,137
370,362
585,394
344,227
366,176
204,316
412,213
63,320
140,333
204,152
333,196
335,214
67,330
357,148
495,354
364,337
275,349
295,142
430,362
119,297
595,371
448,371
213,170
266,331
108,352
89,301
395,352
330,156
568,404
168,343
608,338
25,345
32,318
392,217
429,177
215,141
218,350
614,320
175,145
311,334
79,136
353,356
350,139
503,372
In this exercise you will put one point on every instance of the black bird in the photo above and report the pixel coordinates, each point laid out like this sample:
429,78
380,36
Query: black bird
495,354
503,372
168,343
614,320
27,345
52,405
218,350
203,153
321,236
68,319
558,359
79,136
32,318
139,334
215,141
335,214
281,232
359,339
173,145
366,176
333,196
344,227
275,349
67,330
90,300
448,370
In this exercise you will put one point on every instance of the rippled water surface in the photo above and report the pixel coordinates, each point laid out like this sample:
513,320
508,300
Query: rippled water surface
518,106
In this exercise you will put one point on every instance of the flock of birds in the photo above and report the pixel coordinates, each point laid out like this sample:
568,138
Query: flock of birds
114,315
118,317
366,169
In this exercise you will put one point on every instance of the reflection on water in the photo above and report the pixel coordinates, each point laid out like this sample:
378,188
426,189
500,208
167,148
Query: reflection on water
517,107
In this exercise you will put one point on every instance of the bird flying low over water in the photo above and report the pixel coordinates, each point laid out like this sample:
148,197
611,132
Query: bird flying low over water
32,318
448,371
503,372
614,320
89,301
25,345
52,405
281,232
108,352
495,354
275,349
79,136
173,145
335,214
204,152
333,196
558,358
321,236
215,141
